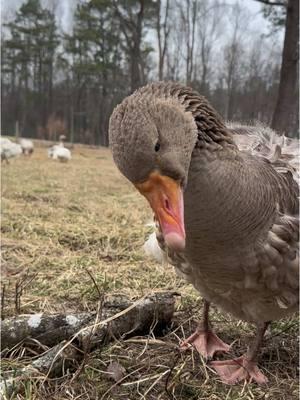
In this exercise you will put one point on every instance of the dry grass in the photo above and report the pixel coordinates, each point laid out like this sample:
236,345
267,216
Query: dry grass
59,220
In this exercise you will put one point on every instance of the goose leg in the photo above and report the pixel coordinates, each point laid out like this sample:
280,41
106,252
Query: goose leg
204,339
244,367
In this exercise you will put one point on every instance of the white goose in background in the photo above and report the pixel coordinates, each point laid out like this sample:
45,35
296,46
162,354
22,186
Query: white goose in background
59,151
27,146
9,149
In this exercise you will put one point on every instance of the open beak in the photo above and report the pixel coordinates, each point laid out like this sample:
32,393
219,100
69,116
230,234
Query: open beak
166,200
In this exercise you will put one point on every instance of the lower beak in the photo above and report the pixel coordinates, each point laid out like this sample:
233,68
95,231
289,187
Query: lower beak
166,200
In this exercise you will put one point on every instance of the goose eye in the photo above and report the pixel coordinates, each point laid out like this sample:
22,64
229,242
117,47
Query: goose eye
157,146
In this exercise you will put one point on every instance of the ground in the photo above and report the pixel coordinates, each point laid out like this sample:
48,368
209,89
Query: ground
60,221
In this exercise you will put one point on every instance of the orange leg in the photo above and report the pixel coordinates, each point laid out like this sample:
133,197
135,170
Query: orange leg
204,339
244,367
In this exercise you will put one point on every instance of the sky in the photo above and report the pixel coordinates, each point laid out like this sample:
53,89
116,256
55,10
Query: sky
255,26
66,7
64,13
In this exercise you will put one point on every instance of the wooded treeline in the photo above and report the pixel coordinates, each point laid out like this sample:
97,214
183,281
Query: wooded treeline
58,81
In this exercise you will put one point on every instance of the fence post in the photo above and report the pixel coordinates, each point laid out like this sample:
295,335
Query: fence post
17,131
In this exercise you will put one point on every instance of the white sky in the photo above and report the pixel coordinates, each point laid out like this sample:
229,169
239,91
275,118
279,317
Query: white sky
66,7
256,23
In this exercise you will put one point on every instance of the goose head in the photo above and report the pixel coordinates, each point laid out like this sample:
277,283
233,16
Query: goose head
62,138
152,139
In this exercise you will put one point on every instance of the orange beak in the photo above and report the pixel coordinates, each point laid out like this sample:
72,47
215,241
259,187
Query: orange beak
166,200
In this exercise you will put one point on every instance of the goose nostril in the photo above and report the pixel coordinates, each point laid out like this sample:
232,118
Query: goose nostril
167,205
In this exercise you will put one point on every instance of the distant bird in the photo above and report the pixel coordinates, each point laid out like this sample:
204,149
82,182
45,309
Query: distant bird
9,149
59,151
51,149
226,202
27,146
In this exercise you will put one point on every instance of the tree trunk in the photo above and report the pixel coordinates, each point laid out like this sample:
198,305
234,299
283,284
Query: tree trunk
50,87
162,40
136,64
194,15
285,117
135,67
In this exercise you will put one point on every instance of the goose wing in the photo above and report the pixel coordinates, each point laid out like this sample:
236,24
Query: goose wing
277,258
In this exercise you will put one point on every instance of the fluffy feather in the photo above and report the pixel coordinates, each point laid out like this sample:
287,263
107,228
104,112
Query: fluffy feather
260,140
27,146
59,151
61,154
153,250
9,149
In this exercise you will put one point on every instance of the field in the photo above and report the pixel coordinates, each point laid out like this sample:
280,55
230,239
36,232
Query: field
60,221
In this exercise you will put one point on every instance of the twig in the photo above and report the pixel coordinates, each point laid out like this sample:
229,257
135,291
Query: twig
21,284
120,381
156,381
49,361
286,329
152,341
87,341
273,3
2,301
170,395
101,295
87,345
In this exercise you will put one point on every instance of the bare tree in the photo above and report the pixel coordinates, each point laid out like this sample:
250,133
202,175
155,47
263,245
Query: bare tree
72,80
188,18
233,57
132,22
285,117
209,29
163,31
175,49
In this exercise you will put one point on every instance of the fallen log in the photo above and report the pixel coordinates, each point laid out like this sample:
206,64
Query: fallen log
119,318
151,312
47,329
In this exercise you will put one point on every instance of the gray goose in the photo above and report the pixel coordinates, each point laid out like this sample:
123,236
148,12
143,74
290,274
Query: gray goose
227,217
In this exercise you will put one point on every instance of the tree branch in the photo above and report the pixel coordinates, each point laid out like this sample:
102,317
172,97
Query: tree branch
273,3
53,328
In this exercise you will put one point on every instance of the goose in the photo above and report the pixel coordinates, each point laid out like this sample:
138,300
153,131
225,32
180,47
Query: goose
59,151
52,149
9,149
27,146
227,216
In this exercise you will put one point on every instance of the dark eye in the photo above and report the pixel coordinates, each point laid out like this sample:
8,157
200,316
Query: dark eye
157,146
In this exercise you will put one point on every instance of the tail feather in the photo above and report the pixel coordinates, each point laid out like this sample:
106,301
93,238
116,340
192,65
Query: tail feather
260,140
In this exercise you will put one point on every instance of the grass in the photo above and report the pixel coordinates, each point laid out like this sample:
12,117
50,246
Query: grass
58,220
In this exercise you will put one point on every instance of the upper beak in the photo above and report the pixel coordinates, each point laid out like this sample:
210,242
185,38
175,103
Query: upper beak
166,200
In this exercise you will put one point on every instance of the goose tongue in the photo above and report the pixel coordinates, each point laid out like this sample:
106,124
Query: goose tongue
166,199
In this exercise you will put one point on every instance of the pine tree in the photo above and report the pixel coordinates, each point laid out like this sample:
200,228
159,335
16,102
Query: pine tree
29,57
